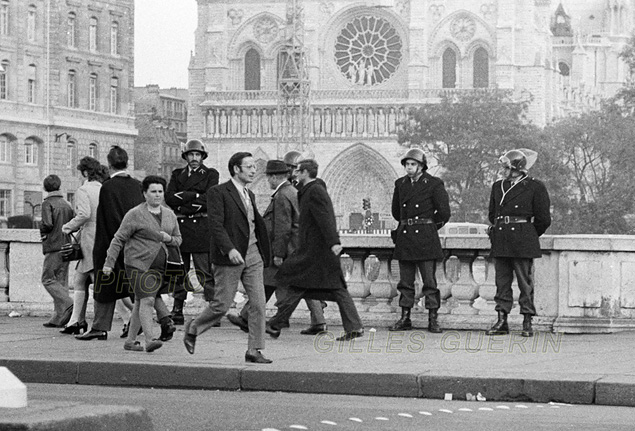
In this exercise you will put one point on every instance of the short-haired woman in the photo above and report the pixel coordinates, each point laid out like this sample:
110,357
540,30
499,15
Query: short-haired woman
145,233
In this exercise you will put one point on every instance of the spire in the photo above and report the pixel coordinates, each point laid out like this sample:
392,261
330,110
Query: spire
561,22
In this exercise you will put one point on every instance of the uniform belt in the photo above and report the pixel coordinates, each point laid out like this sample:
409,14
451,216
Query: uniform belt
192,215
512,219
411,221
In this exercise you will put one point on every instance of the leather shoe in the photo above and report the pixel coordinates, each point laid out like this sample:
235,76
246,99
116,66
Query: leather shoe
239,321
93,334
257,358
153,345
314,329
273,332
52,325
189,339
350,335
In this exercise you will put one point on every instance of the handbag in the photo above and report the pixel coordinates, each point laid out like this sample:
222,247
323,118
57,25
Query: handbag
174,267
72,250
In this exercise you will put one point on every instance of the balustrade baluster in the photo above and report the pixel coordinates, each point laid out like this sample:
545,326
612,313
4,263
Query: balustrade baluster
384,288
357,283
487,289
465,289
444,284
4,272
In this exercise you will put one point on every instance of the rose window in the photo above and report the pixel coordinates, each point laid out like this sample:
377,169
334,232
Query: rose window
368,50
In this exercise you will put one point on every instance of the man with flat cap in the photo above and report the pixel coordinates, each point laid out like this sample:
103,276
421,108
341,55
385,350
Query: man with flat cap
187,196
281,218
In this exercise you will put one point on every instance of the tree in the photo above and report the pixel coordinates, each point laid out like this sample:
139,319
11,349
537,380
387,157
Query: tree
466,135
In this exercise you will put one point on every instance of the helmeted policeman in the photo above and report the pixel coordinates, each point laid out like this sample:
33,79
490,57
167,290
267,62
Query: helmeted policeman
186,195
421,205
519,214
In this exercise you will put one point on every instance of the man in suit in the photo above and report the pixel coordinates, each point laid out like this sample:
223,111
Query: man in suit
421,205
240,251
118,195
281,219
519,214
315,271
187,196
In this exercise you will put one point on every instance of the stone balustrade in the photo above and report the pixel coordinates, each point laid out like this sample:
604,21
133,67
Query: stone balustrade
583,283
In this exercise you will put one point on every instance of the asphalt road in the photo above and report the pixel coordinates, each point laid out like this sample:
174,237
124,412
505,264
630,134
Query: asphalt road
186,410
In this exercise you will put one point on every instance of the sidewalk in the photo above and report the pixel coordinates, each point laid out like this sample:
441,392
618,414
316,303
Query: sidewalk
584,369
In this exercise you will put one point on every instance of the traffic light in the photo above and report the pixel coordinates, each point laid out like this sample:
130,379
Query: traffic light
366,203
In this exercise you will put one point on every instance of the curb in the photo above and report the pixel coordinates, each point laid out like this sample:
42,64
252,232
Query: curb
589,389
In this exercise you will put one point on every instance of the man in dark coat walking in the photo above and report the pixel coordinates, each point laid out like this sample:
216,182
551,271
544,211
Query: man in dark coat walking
118,195
519,214
240,250
187,196
421,205
315,271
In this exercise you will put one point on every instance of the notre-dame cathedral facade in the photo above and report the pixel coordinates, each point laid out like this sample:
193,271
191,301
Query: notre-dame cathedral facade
370,60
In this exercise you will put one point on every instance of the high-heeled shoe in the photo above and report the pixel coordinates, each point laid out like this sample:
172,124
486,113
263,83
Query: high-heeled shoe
75,328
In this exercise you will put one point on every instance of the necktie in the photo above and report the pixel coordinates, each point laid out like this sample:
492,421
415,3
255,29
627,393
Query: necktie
246,198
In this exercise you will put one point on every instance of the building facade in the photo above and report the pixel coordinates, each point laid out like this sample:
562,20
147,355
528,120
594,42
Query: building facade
370,60
65,92
161,121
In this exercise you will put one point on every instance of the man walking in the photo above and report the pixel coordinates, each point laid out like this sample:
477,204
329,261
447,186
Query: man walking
421,205
315,271
240,250
519,214
281,219
56,211
187,196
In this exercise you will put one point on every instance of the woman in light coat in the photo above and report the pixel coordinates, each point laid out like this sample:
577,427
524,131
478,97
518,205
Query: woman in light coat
149,233
86,200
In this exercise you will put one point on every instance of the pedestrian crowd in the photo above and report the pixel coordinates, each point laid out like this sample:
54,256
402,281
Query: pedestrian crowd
137,241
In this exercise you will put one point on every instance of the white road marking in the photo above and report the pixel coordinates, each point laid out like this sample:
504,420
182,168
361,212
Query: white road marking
405,415
555,407
380,418
486,409
446,411
520,406
425,413
355,420
465,410
298,427
503,407
270,429
328,423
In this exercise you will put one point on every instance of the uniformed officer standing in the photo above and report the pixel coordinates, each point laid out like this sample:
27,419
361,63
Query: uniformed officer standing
186,195
421,205
519,214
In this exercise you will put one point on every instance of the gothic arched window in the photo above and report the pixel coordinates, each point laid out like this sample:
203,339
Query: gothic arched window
564,69
449,68
252,70
481,68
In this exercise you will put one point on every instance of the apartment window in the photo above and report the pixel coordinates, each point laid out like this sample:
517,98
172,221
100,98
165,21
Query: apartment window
114,38
5,149
92,92
4,78
92,34
481,68
114,95
449,68
70,155
252,70
92,150
4,18
71,30
30,152
32,84
30,23
5,203
72,89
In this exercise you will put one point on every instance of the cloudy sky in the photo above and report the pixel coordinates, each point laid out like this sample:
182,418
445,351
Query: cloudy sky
164,38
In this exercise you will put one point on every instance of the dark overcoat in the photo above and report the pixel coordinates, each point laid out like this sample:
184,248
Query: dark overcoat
314,266
528,199
425,199
281,218
118,195
229,226
191,210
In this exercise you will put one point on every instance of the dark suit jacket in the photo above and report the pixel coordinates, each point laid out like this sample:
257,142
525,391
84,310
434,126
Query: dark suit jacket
428,199
529,198
181,197
228,225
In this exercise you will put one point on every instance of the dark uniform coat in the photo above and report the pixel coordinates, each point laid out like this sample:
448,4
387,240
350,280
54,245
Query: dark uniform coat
529,199
229,226
281,219
425,199
314,266
118,195
190,210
